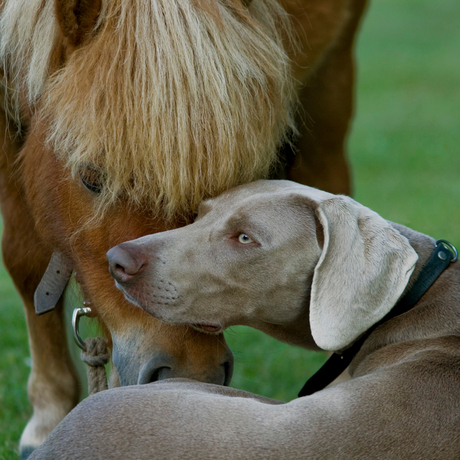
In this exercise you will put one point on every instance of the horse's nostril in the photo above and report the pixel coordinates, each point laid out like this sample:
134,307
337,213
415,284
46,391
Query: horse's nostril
153,375
228,372
160,374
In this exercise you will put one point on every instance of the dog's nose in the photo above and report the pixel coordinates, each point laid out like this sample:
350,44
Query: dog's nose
126,262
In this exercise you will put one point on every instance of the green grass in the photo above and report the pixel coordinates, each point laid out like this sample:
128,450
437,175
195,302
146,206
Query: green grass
404,147
404,151
14,368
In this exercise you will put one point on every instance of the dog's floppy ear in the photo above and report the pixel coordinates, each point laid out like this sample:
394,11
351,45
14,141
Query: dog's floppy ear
363,269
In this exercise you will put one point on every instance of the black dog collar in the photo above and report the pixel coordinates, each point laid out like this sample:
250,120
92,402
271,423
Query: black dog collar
443,254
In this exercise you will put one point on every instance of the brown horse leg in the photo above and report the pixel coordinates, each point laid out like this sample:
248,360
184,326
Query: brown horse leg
320,160
53,385
327,108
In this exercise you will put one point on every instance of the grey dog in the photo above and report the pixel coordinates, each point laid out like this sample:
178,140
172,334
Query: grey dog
311,269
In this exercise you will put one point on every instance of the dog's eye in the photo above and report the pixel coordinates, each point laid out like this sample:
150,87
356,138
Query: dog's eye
244,239
92,178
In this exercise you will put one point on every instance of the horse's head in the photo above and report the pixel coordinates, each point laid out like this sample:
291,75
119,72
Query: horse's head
133,112
144,349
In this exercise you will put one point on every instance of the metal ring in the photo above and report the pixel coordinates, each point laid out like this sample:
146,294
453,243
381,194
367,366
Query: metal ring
81,311
450,247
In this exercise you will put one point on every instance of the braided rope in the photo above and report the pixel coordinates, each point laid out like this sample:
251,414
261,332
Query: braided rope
96,356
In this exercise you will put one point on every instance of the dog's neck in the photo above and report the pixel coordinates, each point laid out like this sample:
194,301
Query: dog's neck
295,333
427,319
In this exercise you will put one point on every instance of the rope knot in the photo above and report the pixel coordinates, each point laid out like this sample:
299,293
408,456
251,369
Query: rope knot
96,353
96,356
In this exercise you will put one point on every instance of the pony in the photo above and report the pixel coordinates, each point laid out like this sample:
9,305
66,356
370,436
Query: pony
118,117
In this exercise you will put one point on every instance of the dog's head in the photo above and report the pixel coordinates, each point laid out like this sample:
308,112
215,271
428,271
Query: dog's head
271,254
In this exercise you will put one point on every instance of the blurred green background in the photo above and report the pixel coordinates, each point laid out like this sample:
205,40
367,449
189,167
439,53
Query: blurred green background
404,152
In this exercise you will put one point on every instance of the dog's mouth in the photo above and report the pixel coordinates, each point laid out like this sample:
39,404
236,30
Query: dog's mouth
208,327
127,296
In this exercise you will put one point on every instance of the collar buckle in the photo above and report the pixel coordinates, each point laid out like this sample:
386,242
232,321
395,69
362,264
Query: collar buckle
450,247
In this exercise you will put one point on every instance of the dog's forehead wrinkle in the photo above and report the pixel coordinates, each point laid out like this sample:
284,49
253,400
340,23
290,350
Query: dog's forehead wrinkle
237,221
244,221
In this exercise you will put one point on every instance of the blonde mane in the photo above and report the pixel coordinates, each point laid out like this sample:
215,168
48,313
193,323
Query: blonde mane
175,100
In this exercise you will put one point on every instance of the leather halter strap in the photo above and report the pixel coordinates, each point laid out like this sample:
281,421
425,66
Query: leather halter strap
53,283
443,254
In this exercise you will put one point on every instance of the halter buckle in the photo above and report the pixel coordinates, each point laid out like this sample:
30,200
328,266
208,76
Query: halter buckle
77,313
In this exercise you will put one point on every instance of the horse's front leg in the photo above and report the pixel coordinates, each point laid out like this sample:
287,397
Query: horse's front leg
53,386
